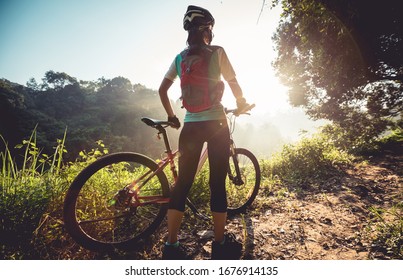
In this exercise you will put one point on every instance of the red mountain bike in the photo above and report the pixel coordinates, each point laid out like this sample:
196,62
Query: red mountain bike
122,198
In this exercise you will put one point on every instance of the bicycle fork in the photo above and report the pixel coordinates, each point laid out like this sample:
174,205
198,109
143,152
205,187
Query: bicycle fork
237,179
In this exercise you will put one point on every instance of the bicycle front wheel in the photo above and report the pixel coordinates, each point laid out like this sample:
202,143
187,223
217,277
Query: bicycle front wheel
243,180
116,201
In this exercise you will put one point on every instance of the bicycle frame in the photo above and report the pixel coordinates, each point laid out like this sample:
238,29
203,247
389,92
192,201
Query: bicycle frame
133,188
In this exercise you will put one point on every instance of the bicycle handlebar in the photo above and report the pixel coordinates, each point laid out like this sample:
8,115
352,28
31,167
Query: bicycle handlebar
244,110
161,125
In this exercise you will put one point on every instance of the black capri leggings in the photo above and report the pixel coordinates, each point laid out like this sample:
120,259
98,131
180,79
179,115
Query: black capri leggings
191,141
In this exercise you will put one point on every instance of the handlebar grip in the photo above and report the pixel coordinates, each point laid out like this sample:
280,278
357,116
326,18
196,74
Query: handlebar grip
244,110
251,106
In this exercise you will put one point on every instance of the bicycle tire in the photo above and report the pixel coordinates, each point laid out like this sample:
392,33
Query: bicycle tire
240,195
93,222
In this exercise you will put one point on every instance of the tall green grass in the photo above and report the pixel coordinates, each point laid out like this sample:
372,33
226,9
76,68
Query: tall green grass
26,192
32,196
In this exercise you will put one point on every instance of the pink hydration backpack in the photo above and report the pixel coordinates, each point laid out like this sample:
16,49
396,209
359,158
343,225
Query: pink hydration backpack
200,79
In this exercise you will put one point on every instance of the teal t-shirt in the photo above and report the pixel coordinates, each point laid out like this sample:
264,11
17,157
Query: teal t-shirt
215,113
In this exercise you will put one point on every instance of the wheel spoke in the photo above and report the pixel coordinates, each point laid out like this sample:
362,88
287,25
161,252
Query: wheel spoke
103,219
138,197
243,180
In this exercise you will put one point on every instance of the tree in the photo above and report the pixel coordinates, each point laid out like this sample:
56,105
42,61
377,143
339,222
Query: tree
11,105
57,80
343,61
106,109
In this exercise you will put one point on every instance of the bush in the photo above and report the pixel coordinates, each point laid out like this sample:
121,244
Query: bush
311,158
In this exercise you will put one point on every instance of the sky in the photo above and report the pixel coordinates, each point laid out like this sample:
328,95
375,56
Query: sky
138,39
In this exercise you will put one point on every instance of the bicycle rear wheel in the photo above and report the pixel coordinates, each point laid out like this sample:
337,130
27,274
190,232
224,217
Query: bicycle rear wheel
243,180
99,219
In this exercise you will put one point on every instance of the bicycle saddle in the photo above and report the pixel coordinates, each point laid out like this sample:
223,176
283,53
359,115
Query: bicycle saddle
154,123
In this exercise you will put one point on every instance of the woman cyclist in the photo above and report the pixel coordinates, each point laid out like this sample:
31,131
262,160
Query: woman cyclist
208,125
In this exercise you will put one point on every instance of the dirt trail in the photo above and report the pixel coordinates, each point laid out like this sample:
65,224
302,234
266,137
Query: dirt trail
326,222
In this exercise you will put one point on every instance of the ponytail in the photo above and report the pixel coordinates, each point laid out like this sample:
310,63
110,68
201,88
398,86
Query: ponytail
196,37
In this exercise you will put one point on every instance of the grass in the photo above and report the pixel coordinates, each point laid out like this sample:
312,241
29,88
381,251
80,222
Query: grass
27,192
32,195
32,199
310,159
386,230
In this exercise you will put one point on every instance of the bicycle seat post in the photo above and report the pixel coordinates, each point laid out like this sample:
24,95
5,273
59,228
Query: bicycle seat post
160,126
168,151
166,140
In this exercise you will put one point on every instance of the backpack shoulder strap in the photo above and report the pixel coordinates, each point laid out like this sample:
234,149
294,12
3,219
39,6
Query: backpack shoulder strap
209,51
178,60
213,48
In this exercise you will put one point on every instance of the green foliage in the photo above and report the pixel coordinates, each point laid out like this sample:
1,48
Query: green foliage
395,136
310,159
386,231
336,68
347,141
26,194
55,80
32,197
108,109
200,191
352,141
